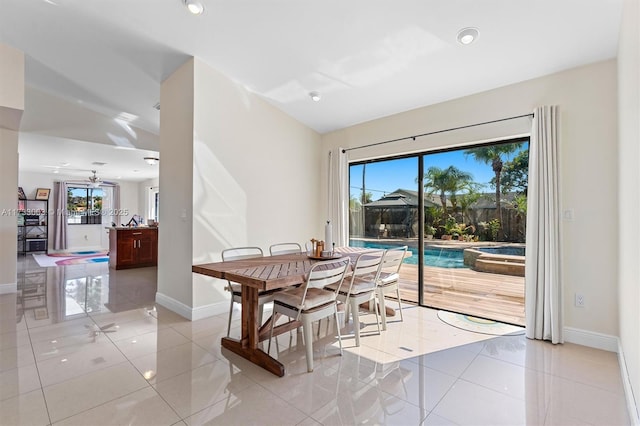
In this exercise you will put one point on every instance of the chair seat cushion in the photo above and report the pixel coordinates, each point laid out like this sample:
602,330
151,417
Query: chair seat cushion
388,278
315,297
360,285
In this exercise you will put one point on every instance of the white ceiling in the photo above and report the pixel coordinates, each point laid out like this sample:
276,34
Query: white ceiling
94,68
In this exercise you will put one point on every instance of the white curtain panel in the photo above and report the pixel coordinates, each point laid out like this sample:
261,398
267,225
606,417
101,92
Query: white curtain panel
338,192
543,293
60,216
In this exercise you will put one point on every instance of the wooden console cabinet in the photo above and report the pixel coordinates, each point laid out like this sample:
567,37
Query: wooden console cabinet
133,247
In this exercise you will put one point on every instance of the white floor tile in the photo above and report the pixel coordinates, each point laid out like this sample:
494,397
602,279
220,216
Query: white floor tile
172,361
450,361
253,406
202,387
143,407
510,379
14,339
85,359
25,409
359,403
15,357
415,383
149,343
470,404
91,390
201,328
577,403
18,381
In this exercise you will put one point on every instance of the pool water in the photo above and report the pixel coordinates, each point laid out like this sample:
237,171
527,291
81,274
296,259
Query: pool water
512,251
442,258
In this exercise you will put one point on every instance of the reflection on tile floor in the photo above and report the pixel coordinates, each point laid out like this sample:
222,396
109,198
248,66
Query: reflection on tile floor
85,345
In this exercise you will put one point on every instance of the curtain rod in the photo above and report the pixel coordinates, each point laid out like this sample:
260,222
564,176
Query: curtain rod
438,131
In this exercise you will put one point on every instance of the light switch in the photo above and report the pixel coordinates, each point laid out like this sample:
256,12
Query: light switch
568,214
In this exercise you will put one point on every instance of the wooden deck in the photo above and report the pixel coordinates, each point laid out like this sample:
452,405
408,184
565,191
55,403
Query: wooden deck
494,296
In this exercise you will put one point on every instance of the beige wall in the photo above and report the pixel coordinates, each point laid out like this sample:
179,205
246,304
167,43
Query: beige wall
237,171
8,204
176,147
11,87
11,109
255,175
586,98
629,200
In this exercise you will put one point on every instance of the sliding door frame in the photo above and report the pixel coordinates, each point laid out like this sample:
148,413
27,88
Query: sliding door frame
420,189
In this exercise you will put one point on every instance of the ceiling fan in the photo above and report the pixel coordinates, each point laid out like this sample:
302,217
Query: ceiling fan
94,181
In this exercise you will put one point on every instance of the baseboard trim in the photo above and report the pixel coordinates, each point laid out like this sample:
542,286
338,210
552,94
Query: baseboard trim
634,415
8,288
188,312
591,339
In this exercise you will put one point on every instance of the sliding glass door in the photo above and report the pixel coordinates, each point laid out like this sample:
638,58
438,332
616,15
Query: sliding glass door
383,212
462,213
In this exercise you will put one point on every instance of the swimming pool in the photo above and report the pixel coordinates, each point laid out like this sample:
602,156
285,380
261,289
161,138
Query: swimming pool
440,257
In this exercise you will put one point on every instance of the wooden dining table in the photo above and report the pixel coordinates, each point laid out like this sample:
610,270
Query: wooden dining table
263,274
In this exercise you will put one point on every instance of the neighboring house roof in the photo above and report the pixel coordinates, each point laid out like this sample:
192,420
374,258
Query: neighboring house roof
405,197
395,199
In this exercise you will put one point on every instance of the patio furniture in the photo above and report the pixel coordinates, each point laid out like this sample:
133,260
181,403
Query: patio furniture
285,248
360,288
313,301
239,253
389,278
260,274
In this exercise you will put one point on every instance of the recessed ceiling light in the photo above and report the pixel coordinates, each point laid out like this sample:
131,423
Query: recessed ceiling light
315,96
152,161
55,171
194,6
467,35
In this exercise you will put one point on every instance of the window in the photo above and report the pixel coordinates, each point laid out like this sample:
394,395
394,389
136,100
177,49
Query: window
154,197
84,205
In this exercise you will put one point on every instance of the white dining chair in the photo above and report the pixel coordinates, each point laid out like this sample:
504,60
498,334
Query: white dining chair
360,288
312,301
389,280
285,248
239,253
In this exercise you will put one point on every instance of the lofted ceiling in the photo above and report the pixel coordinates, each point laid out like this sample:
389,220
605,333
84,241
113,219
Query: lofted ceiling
94,68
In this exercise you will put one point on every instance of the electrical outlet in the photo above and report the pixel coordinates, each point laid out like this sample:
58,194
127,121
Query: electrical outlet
579,300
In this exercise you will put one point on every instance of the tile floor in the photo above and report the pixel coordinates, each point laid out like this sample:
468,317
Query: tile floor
85,345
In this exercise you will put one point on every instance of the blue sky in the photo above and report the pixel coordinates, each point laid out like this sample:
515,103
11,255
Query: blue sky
387,176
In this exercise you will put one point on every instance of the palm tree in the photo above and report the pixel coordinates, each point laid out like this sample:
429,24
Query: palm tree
493,155
457,180
435,181
445,182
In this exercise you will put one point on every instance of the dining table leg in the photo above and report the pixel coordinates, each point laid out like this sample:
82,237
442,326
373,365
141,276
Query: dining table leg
247,346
